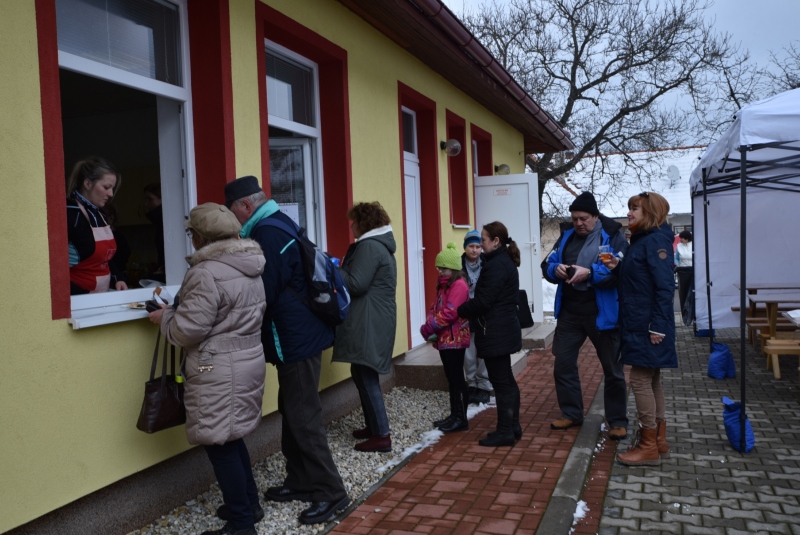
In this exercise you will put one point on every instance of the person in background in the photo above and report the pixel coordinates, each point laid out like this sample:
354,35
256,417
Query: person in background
218,323
366,338
494,323
154,214
683,263
586,307
646,291
293,338
450,335
478,382
91,185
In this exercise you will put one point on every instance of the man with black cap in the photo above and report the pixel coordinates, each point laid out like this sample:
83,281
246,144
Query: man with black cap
586,306
293,339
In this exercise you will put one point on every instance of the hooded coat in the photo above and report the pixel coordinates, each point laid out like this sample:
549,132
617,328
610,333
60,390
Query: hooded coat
218,323
492,313
646,290
369,271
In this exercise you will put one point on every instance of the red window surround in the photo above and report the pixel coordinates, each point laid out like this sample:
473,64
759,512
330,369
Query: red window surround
428,153
483,140
209,38
334,114
457,171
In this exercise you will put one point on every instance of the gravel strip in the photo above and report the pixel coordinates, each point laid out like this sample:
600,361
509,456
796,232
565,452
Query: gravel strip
410,414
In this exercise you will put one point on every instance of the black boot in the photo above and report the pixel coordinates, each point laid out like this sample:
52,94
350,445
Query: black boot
515,427
449,419
503,435
460,422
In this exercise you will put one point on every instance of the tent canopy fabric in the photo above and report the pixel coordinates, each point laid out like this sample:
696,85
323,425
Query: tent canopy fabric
768,134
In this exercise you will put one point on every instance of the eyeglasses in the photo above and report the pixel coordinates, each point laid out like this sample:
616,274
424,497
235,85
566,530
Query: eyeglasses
188,233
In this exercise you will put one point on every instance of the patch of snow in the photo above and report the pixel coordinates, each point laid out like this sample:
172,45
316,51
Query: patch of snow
580,512
428,438
548,296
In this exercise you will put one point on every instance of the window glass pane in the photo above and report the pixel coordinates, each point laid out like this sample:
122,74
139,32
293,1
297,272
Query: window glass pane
287,180
408,133
139,36
290,90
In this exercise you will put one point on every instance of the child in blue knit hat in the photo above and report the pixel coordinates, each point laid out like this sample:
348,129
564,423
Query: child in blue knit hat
474,368
450,335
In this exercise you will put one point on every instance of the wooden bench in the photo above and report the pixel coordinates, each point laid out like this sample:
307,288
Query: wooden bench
774,347
761,325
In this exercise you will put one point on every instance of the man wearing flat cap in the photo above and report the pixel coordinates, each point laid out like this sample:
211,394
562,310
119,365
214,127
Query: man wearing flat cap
586,306
293,339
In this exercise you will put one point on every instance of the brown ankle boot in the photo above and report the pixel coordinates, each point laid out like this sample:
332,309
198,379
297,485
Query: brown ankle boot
661,439
643,453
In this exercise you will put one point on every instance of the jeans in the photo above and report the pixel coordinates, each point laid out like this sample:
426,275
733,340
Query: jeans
571,333
475,369
646,386
231,463
368,383
304,442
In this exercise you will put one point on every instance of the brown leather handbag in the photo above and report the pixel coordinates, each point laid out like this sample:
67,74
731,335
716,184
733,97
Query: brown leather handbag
163,406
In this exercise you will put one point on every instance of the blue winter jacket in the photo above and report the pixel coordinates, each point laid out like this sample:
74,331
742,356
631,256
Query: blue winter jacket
646,291
290,332
603,281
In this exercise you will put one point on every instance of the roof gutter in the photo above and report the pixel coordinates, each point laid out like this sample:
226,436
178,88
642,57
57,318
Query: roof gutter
444,19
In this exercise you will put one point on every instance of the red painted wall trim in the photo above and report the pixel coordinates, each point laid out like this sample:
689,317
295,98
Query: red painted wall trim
54,175
485,162
428,148
334,114
458,181
212,97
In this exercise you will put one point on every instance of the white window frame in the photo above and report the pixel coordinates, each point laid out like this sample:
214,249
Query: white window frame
316,232
90,310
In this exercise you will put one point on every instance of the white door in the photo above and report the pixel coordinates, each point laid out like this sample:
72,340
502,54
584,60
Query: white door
513,200
414,248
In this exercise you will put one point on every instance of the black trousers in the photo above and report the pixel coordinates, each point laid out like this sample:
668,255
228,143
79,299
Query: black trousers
231,462
506,391
453,363
685,285
304,442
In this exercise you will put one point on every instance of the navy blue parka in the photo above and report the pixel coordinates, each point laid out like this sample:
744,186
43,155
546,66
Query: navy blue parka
646,290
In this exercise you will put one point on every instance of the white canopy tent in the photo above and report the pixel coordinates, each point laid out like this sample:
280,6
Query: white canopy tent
746,189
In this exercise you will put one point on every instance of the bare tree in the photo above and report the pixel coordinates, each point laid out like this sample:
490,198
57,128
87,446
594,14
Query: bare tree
619,75
788,67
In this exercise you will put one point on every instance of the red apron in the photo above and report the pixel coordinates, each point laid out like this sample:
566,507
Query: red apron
93,274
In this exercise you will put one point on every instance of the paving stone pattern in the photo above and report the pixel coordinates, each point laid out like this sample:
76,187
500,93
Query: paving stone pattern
706,487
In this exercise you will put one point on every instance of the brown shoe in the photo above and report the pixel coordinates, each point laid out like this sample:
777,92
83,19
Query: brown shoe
661,439
644,452
617,433
565,423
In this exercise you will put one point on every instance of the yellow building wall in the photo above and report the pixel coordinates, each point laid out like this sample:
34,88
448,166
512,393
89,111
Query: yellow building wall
70,399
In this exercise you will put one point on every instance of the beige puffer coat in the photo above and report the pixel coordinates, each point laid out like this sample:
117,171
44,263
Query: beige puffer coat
218,322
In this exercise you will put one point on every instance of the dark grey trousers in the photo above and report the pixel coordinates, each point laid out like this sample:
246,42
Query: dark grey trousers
571,333
304,442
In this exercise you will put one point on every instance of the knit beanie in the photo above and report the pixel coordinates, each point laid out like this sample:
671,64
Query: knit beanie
585,203
473,236
449,258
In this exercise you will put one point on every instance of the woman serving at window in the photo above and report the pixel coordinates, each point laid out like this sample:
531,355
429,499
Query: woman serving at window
91,185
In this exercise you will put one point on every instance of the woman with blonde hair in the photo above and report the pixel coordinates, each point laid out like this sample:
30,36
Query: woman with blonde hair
647,323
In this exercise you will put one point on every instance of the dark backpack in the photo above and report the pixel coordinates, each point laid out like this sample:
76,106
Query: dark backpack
328,297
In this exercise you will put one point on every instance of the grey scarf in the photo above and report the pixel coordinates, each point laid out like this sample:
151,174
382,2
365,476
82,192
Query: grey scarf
588,255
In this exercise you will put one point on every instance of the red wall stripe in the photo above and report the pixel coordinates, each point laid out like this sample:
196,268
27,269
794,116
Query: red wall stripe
54,175
485,163
212,97
457,170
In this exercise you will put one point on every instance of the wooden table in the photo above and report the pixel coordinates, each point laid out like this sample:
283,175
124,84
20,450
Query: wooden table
771,302
753,288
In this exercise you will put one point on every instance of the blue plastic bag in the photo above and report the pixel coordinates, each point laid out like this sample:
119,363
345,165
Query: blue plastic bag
721,364
733,428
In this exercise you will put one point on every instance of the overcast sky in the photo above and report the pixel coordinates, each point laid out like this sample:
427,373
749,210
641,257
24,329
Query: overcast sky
760,25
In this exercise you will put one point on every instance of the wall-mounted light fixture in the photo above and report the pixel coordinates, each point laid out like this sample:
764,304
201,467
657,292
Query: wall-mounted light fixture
451,147
502,169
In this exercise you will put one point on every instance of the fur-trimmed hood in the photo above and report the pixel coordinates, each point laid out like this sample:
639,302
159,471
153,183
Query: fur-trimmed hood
244,255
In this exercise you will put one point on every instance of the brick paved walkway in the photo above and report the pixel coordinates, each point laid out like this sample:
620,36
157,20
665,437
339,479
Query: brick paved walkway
707,487
457,486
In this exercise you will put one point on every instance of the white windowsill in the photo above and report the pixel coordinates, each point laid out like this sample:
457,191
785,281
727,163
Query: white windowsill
111,307
461,226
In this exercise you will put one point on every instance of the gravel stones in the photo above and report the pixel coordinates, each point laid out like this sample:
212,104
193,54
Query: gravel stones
410,414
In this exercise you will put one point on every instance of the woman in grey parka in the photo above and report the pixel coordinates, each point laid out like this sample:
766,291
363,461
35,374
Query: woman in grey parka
217,321
366,338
